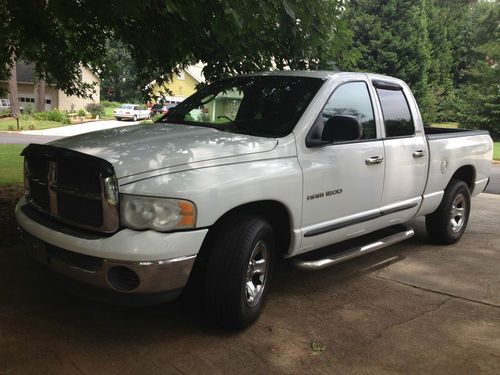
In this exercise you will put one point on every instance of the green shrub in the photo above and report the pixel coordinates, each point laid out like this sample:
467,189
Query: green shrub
81,113
28,109
95,109
54,115
106,103
156,118
5,113
11,127
31,126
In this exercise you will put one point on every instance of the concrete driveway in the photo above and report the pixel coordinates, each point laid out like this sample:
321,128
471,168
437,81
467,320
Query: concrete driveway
410,308
69,130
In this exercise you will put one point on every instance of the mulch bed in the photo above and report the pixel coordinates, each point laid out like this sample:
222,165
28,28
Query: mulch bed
9,196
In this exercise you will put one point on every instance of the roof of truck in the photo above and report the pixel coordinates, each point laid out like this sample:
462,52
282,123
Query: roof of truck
326,74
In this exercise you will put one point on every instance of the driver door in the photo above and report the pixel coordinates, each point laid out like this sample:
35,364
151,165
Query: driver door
343,181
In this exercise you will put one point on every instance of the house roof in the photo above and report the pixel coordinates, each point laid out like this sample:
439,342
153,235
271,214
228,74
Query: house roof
25,72
196,71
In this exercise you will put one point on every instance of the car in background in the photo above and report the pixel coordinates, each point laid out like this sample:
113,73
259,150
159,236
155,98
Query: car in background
131,111
4,105
161,109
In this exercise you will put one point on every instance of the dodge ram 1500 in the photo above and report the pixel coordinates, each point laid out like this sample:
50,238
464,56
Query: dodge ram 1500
248,170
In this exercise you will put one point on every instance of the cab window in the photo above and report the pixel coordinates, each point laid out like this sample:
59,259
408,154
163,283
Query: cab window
349,99
397,115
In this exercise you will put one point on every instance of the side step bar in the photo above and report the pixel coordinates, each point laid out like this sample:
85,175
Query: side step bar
318,264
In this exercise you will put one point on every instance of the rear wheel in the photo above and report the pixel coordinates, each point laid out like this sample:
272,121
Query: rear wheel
118,118
134,118
239,271
447,224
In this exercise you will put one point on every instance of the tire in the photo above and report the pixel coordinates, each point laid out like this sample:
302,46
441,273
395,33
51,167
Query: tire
447,224
244,246
118,118
134,118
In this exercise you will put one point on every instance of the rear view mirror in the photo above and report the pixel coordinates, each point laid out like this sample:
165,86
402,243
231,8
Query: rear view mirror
342,128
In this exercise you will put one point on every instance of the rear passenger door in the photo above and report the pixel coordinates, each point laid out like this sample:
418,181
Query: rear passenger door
406,155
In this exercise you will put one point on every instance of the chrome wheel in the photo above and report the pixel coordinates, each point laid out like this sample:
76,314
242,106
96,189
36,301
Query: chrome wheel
256,276
457,213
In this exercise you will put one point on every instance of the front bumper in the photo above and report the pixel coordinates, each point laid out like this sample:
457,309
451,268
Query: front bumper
136,262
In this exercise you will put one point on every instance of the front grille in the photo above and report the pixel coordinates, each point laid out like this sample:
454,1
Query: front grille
72,187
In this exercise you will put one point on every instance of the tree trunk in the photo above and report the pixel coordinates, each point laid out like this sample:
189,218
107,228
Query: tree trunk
14,100
40,98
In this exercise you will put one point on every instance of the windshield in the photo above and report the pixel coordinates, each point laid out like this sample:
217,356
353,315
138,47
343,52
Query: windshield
267,106
126,106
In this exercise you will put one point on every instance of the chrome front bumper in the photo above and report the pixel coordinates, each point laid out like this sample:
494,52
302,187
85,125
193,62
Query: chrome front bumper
146,277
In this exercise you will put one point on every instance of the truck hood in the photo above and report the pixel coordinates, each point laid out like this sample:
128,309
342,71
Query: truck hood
144,148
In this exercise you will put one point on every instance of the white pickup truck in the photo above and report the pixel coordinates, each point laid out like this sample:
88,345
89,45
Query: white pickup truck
246,171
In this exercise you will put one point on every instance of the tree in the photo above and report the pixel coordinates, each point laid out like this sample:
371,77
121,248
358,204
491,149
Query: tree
40,95
118,77
479,91
161,35
392,38
14,100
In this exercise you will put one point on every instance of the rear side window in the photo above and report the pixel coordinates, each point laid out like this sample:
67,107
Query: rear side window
397,115
352,99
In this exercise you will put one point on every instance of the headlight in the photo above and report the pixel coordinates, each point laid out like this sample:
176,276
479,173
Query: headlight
161,214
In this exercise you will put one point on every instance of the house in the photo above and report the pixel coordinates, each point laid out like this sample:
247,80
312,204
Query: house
180,86
54,98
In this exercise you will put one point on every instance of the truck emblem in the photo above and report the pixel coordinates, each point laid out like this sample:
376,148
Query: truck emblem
325,194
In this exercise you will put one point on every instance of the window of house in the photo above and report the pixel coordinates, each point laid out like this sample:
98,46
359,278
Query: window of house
351,99
397,115
21,99
48,101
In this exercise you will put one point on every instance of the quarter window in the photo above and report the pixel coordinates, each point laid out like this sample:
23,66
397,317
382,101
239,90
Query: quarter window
397,115
352,99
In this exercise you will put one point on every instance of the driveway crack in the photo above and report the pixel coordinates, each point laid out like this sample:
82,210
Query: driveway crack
438,292
423,313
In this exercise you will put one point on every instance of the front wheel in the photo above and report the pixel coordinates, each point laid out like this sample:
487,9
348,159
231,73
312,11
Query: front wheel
447,224
239,271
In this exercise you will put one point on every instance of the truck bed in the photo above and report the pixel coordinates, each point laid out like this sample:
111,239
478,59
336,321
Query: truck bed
440,133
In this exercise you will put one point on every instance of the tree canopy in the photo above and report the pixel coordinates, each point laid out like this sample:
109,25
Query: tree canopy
161,35
447,50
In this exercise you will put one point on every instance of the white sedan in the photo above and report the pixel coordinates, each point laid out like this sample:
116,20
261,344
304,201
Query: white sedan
131,111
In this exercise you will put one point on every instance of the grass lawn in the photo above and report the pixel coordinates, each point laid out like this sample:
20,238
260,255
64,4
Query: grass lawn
496,151
11,164
24,124
452,125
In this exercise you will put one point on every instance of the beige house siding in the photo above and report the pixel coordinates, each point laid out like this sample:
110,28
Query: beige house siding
68,103
55,98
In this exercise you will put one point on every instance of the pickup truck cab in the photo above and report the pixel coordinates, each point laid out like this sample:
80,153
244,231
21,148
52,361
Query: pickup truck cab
246,171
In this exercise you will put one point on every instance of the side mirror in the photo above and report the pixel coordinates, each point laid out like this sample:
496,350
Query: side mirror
342,128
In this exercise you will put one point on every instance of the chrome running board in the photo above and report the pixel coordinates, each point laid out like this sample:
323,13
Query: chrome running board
331,260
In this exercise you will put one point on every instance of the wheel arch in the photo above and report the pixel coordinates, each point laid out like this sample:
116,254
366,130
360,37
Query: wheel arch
467,174
275,212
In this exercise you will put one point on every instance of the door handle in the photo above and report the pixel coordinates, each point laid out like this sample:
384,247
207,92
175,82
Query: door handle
374,160
419,154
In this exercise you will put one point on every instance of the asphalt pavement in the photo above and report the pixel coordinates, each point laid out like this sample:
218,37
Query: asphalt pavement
24,139
494,185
